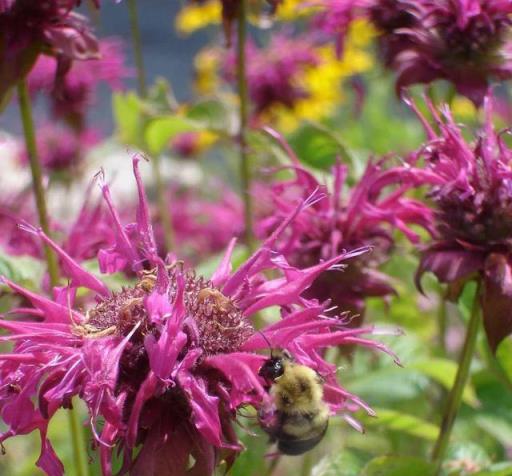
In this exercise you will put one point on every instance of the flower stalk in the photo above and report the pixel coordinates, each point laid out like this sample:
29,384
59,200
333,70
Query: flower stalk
163,209
455,395
442,320
37,175
243,97
77,437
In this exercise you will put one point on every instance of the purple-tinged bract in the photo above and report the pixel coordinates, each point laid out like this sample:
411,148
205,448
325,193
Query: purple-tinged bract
164,364
464,42
471,189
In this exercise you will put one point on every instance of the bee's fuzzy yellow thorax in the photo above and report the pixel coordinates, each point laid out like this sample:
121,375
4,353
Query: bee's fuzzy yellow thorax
299,388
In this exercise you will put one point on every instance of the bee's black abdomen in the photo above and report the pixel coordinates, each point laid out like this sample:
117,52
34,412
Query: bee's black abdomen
292,446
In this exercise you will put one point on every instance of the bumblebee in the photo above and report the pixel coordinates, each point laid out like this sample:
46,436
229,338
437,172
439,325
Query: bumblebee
300,416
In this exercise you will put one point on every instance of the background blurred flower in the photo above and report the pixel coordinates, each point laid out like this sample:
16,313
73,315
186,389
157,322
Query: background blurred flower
71,96
471,189
61,149
296,78
165,363
274,72
29,28
203,223
191,144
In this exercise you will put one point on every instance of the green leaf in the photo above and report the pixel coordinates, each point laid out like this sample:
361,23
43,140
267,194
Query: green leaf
388,385
211,113
346,463
24,270
161,130
207,267
114,281
495,425
398,466
401,422
443,371
317,146
127,110
504,357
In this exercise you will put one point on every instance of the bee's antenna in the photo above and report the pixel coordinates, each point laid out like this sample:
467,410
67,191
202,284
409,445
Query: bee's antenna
267,341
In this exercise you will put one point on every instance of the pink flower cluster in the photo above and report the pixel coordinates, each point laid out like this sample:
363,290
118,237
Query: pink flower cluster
165,363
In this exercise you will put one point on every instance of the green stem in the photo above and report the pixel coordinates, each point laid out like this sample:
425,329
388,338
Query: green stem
137,49
455,395
441,320
37,176
307,464
243,97
163,209
79,453
164,212
273,465
77,441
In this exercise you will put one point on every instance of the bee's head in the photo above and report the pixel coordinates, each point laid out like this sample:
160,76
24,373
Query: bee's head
272,369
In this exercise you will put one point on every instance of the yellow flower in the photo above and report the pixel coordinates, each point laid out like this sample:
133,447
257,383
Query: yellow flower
206,64
289,10
323,84
193,17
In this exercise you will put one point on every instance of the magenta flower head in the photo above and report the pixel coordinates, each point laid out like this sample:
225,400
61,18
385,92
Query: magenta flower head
164,364
464,42
472,196
365,215
390,17
28,28
71,94
273,72
62,149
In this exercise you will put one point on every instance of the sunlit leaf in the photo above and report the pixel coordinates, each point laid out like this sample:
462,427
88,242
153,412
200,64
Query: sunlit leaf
318,147
504,357
211,114
161,130
127,109
24,270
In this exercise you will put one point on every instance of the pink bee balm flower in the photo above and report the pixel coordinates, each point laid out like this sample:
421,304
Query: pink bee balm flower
71,94
165,363
464,42
28,28
364,215
471,190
